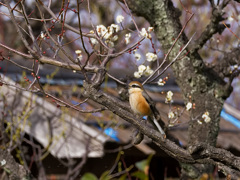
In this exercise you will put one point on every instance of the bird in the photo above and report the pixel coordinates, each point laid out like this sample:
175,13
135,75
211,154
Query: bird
141,103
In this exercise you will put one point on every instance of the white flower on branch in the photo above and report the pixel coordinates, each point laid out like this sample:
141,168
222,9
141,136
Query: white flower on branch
150,29
235,66
206,117
93,41
142,68
114,28
189,106
146,33
127,38
101,30
199,122
169,97
42,35
230,18
3,162
171,115
161,82
79,53
137,56
119,19
148,71
110,44
137,74
115,38
143,32
151,57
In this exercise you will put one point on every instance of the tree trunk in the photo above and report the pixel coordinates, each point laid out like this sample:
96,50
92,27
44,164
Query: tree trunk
206,89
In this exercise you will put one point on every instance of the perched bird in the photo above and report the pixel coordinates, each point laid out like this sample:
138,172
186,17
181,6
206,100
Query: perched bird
140,103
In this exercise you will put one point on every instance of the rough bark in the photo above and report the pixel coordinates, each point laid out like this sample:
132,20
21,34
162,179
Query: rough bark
12,169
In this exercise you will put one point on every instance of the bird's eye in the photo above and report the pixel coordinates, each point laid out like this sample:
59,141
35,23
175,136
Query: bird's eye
135,86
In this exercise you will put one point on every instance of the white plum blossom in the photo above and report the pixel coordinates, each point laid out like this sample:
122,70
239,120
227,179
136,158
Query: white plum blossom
115,38
206,117
3,162
161,82
171,115
148,71
79,53
108,35
42,35
110,44
150,29
141,68
235,66
137,74
143,32
114,28
101,30
127,38
230,18
146,33
151,57
189,106
93,41
137,56
199,122
169,97
119,18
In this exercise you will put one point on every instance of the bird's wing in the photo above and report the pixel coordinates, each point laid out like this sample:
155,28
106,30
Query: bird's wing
151,103
155,112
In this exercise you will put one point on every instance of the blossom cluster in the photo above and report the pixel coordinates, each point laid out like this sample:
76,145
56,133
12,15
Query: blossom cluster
169,96
107,33
172,115
146,33
206,117
143,70
150,57
161,82
127,38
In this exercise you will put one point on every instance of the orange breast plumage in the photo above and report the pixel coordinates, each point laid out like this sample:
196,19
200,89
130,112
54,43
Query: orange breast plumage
139,104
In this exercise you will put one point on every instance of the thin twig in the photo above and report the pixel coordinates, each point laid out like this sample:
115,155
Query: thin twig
175,59
166,56
117,80
131,16
49,35
230,30
26,44
16,52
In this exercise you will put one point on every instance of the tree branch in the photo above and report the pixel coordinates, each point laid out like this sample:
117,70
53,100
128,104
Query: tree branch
200,152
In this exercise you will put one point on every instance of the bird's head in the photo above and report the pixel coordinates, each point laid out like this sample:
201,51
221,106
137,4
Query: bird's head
135,86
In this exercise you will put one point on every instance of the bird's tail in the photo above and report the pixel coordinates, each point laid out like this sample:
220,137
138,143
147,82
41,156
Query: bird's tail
156,124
